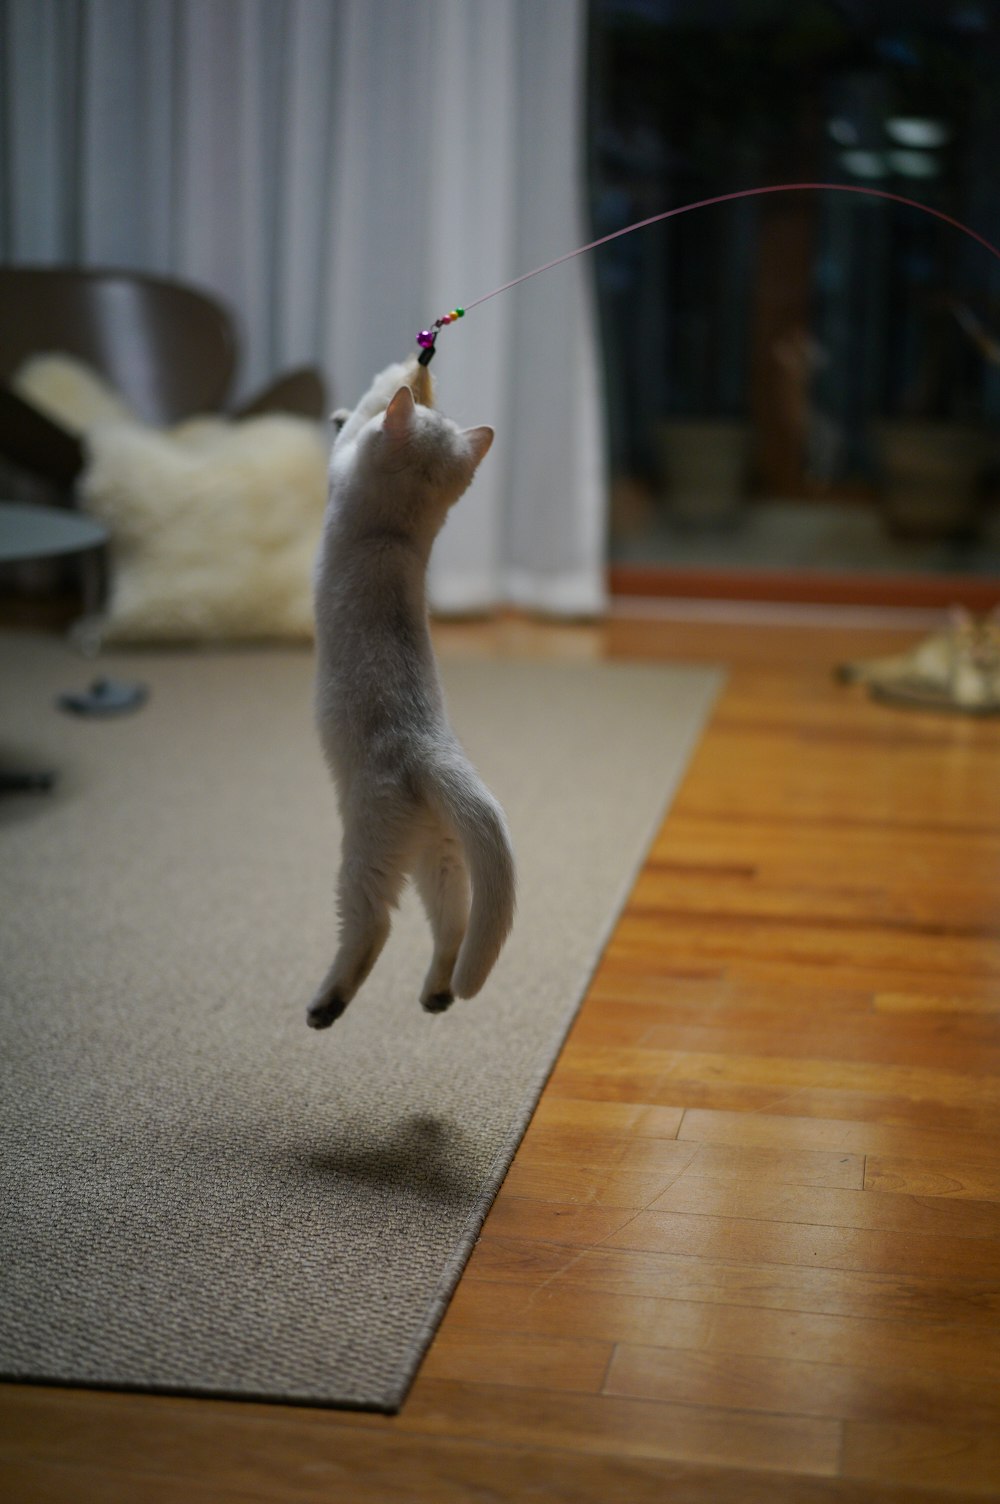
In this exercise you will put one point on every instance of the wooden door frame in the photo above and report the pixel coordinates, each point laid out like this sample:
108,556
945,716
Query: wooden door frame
806,586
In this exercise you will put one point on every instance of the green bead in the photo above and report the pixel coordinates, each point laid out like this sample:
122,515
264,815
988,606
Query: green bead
460,313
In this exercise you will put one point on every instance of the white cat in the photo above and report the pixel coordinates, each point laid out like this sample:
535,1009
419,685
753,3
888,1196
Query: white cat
410,801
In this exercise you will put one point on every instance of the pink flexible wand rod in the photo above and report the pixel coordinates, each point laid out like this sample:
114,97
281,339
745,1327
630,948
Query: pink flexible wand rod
427,337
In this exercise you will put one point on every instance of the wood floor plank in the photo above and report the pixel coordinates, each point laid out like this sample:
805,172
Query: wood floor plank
799,898
746,1099
944,1348
757,1083
808,1245
632,1428
728,935
584,1185
636,1069
804,1024
927,1142
274,1454
903,975
819,1205
915,1177
719,998
745,1240
563,1364
792,1386
577,1226
48,1483
845,1292
714,1161
967,1047
844,840
636,1120
440,1470
600,1148
961,1003
309,1455
906,1452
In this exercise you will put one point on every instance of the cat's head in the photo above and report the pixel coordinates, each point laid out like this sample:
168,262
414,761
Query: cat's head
422,443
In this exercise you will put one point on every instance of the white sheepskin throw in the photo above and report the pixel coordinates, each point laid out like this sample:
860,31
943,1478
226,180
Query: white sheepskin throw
214,527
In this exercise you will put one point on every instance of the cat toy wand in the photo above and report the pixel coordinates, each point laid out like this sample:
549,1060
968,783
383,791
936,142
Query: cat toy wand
427,338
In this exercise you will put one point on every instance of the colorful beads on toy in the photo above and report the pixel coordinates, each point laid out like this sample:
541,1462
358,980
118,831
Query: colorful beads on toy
426,337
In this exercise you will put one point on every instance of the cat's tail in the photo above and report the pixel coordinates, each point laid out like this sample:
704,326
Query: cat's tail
479,821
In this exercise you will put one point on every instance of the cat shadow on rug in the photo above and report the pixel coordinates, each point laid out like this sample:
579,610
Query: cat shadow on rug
418,1157
27,783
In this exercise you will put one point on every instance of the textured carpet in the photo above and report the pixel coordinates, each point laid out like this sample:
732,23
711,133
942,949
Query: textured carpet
200,1194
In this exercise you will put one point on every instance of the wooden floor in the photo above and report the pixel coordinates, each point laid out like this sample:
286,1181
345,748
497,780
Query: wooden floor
750,1247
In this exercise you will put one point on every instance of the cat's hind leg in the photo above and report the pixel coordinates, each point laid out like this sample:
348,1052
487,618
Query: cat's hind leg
443,884
371,877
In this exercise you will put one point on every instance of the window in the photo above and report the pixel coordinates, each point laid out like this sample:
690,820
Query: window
803,382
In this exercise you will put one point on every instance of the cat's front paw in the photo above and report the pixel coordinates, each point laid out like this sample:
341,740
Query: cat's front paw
325,1011
437,1002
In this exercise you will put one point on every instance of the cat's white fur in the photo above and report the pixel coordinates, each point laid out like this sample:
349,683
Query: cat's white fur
410,801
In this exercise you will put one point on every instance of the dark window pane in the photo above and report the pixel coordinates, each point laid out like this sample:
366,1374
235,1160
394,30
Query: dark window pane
813,378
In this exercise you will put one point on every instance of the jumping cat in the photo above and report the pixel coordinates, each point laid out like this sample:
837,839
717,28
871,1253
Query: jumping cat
410,801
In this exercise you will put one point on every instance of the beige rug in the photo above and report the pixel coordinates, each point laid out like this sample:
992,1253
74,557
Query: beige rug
200,1194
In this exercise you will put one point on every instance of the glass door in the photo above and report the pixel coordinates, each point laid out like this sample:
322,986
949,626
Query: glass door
803,388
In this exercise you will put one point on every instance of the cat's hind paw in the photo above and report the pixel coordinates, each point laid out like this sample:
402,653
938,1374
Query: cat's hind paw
324,1012
437,1002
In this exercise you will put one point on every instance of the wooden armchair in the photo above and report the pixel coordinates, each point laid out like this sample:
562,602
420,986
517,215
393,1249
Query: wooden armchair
169,349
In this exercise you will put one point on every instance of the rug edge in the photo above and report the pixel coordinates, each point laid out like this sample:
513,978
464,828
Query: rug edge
715,679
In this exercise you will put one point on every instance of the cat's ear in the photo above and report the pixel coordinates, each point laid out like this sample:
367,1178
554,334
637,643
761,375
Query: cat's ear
399,415
479,440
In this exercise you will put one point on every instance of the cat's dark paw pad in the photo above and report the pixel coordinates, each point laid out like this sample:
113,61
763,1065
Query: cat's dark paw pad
438,1002
320,1015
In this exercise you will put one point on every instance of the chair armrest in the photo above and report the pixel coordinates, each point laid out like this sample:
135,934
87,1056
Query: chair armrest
301,391
29,439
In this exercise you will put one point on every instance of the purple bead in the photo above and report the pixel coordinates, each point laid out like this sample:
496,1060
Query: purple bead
426,338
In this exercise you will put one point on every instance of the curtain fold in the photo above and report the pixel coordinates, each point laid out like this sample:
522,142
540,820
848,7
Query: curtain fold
340,173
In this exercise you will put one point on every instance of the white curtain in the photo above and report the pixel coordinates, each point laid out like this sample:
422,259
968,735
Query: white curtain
342,172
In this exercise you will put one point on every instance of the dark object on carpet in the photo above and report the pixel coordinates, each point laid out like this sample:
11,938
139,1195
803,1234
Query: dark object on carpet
105,697
14,781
